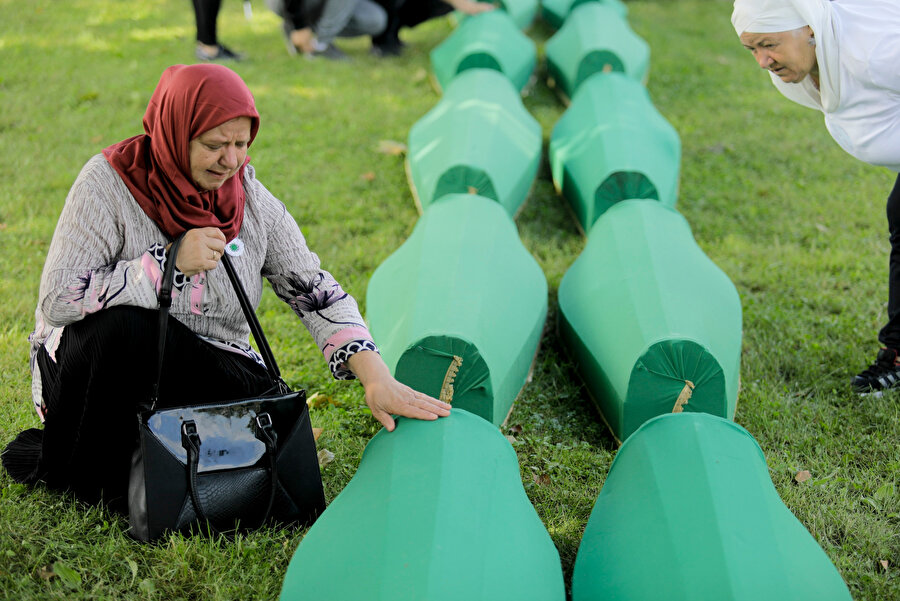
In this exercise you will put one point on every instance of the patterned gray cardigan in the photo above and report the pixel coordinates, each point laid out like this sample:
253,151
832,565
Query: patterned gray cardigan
106,252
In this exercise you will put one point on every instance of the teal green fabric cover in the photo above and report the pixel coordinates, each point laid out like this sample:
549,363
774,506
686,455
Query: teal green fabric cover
688,513
612,144
462,285
435,511
495,40
643,312
478,138
522,12
595,38
554,12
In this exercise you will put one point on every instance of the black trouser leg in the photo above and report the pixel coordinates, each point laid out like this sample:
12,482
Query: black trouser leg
206,12
106,366
890,333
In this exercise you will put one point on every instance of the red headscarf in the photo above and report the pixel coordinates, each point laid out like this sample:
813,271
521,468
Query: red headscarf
156,167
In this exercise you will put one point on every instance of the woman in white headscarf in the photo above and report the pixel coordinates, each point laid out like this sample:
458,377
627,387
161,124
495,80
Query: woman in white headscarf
842,57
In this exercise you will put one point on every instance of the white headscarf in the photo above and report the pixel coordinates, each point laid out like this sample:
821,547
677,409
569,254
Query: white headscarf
770,16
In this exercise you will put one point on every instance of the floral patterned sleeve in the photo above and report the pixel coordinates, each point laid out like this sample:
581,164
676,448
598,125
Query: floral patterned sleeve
328,312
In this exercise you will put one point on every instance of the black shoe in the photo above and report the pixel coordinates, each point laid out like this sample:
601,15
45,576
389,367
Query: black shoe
387,50
222,53
883,374
329,51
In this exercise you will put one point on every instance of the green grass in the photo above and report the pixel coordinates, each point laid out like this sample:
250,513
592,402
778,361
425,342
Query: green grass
797,224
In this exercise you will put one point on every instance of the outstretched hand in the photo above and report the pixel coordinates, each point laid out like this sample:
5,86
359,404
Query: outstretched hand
386,397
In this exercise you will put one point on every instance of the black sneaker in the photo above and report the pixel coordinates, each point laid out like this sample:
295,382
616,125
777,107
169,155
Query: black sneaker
222,53
883,374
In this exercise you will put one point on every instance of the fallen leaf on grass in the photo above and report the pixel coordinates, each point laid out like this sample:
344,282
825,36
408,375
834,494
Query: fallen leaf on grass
517,429
802,476
320,400
884,564
368,176
316,433
46,572
542,479
391,147
511,438
325,457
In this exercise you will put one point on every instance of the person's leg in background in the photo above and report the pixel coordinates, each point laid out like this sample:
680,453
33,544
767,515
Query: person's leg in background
885,371
206,14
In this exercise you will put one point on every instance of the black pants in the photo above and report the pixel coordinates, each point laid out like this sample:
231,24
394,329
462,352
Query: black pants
407,13
890,333
106,366
206,12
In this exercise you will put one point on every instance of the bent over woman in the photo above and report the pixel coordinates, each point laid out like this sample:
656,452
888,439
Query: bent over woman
94,346
842,57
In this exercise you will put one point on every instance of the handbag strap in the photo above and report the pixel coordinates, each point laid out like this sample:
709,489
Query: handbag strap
165,302
190,440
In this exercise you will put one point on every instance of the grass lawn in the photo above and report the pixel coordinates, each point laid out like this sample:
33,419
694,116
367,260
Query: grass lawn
796,223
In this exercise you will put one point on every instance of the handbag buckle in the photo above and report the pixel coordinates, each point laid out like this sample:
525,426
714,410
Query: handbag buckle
190,439
265,432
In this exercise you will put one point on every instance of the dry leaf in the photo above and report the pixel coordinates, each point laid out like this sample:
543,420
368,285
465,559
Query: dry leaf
368,176
391,147
473,190
325,457
802,476
542,479
517,429
884,564
46,572
320,400
511,439
316,433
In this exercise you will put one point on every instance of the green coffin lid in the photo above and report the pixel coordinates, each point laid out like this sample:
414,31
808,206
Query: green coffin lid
651,323
612,144
490,40
435,511
479,138
554,12
461,286
594,39
522,12
688,513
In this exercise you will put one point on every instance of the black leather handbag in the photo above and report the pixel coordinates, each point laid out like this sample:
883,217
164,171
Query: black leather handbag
230,466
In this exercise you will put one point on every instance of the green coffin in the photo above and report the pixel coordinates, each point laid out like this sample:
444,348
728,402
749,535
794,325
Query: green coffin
612,144
478,139
688,513
490,40
594,39
437,512
554,12
522,12
651,323
463,296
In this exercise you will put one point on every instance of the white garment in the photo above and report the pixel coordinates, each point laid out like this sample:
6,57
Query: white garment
864,119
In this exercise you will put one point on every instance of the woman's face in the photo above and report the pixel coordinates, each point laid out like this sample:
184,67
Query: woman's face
787,54
218,153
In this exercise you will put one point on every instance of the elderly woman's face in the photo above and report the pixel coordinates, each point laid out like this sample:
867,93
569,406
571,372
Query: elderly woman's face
787,54
218,153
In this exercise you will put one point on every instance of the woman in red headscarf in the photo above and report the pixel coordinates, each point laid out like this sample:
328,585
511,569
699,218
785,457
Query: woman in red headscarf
94,344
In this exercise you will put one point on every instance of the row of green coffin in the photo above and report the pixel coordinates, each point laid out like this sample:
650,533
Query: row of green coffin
595,38
437,511
651,323
461,303
478,138
489,40
612,144
555,12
